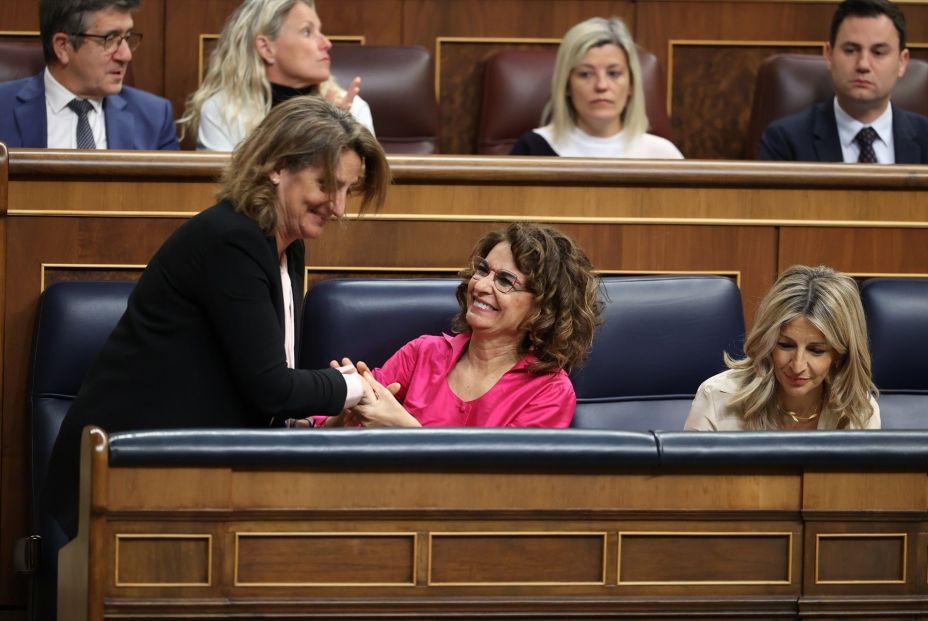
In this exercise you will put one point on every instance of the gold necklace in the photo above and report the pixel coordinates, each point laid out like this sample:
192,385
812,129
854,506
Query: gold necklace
796,417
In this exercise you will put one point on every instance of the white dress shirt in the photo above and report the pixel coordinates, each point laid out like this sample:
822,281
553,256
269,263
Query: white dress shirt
849,127
62,121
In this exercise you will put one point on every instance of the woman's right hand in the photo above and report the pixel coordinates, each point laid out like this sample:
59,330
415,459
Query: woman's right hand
344,103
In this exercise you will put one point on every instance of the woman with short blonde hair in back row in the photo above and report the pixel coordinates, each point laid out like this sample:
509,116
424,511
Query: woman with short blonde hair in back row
806,364
268,52
597,106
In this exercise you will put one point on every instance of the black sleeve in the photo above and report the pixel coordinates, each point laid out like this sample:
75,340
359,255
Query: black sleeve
238,299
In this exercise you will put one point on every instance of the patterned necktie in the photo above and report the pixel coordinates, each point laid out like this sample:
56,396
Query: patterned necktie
84,134
865,138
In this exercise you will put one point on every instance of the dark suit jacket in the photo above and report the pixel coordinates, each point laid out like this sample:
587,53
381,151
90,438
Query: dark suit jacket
812,136
134,119
200,345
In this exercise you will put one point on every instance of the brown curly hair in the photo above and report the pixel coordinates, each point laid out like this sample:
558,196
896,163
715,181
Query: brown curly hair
559,331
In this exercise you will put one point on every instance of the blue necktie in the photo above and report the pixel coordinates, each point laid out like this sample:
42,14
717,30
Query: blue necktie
865,138
84,134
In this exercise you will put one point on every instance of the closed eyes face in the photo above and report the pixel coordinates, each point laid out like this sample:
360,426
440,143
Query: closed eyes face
802,359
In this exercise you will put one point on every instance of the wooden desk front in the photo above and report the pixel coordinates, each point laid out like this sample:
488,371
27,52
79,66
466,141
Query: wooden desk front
103,214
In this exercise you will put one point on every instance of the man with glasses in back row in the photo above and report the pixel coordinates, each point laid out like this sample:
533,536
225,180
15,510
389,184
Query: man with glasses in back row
79,100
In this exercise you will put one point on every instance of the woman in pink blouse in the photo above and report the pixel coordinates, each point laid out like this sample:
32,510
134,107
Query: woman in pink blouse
529,305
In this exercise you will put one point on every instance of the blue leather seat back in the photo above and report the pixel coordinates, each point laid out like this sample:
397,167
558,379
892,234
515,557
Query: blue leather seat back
73,322
661,337
369,320
897,320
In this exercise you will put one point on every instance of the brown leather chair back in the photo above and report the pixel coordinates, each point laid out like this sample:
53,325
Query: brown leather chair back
788,83
517,85
399,84
20,59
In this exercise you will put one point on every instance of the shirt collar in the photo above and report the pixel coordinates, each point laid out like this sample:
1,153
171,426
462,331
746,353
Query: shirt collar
58,97
849,127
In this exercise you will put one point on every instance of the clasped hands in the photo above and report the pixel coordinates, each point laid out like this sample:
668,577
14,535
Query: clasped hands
377,408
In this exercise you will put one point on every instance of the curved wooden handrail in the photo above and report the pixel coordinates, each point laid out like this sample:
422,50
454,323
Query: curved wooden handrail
465,169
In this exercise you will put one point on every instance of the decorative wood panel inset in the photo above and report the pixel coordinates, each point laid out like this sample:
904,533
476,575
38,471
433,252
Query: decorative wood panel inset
325,559
860,558
459,66
156,560
52,273
711,87
666,558
517,558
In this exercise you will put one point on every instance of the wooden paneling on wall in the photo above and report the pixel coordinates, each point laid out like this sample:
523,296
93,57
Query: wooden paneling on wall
711,83
103,214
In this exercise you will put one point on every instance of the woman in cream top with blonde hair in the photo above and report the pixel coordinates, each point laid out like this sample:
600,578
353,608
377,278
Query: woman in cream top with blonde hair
806,364
268,52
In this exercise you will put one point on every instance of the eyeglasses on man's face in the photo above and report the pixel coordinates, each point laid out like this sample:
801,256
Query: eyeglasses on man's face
112,41
504,281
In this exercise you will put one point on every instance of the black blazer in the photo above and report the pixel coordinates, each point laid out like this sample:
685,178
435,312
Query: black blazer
812,136
200,345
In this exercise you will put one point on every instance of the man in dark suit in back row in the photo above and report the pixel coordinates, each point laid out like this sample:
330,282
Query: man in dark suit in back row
79,100
866,54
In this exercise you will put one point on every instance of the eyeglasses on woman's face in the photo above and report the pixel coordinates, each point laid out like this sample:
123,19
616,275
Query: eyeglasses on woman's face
505,282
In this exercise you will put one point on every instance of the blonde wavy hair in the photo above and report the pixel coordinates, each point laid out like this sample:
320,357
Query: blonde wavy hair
559,331
594,32
237,70
301,132
830,301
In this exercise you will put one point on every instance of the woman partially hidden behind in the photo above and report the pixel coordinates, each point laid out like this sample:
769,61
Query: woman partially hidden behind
806,364
207,339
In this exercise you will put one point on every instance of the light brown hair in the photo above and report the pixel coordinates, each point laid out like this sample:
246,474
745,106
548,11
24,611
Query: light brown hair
302,132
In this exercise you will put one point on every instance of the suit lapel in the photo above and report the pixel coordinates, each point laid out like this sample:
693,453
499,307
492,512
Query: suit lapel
120,124
904,143
825,139
31,118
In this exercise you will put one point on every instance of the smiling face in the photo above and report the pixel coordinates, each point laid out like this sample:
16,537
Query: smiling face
802,359
865,64
490,312
304,204
299,56
89,71
599,88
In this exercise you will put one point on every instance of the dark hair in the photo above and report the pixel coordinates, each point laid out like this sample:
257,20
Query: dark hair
71,16
559,332
868,8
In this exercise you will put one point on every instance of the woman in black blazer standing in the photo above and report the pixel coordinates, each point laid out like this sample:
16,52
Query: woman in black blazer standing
208,337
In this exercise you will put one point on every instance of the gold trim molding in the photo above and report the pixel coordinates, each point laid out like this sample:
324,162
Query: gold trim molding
551,534
274,534
756,534
178,536
905,554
